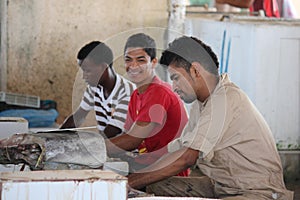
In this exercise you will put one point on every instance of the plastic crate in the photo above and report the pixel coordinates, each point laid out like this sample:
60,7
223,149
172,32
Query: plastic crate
20,99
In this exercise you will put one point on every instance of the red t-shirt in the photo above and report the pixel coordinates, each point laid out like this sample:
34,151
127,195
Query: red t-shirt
161,105
269,6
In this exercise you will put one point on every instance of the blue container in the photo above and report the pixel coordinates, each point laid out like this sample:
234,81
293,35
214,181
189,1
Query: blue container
35,117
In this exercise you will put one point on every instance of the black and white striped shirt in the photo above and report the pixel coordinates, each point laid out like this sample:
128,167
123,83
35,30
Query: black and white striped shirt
111,110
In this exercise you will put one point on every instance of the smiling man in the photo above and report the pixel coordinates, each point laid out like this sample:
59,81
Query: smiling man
107,92
226,136
155,115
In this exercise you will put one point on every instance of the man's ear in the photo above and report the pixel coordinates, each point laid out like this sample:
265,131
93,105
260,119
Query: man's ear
196,69
154,62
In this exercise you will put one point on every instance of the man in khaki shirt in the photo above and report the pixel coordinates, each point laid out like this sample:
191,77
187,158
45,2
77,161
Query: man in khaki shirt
226,136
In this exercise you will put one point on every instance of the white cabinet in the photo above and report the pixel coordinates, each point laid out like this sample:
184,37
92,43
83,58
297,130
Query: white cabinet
262,56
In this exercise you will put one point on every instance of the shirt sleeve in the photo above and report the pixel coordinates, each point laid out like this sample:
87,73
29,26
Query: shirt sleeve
210,122
129,117
175,145
87,102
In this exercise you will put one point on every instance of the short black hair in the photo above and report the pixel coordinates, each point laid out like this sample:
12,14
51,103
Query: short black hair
98,52
143,41
185,50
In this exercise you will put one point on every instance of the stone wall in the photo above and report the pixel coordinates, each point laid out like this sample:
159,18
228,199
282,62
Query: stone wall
43,37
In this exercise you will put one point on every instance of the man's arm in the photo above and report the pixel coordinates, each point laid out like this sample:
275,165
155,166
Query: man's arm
169,165
132,139
237,3
75,119
111,131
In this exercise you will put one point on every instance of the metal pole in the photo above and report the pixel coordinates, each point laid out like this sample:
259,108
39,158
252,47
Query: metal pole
177,10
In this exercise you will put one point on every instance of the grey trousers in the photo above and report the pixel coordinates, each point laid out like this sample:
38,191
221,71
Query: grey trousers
183,187
190,187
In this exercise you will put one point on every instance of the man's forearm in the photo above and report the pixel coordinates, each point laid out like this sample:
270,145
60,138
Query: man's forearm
169,165
68,123
122,143
75,120
131,139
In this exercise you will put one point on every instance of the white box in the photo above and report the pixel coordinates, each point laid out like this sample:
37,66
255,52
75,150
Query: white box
12,125
63,184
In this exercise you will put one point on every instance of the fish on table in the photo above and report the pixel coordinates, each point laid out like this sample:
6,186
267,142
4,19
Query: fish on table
54,150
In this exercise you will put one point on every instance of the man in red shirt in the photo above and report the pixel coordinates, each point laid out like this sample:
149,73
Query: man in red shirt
155,114
270,7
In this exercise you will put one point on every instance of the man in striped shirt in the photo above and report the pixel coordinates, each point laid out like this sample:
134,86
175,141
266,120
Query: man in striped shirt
107,92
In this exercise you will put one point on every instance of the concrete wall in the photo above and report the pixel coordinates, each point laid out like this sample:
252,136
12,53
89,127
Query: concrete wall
43,37
259,55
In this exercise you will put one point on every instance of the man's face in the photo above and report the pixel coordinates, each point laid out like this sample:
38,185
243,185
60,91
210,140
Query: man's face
182,83
92,73
138,64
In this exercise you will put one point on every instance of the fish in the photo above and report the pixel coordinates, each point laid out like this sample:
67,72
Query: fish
55,150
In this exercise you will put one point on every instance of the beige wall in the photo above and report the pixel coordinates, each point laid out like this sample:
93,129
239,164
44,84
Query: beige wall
43,38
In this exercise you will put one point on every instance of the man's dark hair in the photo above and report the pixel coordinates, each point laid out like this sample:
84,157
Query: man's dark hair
98,52
143,41
185,50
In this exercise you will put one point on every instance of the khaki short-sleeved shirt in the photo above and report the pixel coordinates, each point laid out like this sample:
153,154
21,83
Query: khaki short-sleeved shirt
237,148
